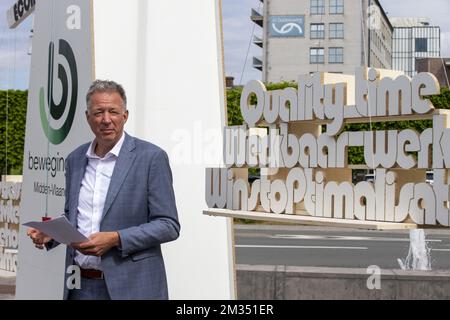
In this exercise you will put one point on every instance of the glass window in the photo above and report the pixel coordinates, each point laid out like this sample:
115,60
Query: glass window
336,30
316,55
336,55
336,6
317,31
317,6
421,45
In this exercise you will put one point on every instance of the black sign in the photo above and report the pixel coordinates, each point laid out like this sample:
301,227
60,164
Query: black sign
20,10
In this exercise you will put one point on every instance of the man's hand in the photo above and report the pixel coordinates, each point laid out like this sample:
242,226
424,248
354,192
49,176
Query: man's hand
98,244
39,238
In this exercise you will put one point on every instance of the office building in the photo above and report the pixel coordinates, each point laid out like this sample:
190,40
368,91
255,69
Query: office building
301,37
413,38
440,67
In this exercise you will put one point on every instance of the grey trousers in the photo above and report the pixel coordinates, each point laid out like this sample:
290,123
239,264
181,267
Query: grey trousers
91,289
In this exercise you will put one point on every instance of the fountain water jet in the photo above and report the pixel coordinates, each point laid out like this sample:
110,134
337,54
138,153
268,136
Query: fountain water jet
418,257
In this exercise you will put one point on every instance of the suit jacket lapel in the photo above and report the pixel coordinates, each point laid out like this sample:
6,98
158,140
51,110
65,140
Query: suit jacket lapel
123,165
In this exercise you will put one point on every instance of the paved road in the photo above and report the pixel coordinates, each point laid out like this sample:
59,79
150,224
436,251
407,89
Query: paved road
333,247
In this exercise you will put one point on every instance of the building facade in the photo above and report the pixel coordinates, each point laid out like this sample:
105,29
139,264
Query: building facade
301,37
413,38
440,67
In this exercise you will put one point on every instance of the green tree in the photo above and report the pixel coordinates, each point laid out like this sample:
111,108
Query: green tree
13,110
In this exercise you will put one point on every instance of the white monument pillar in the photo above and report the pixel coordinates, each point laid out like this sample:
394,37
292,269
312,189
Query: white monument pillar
168,56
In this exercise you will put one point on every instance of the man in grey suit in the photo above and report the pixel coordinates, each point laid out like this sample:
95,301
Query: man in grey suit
119,194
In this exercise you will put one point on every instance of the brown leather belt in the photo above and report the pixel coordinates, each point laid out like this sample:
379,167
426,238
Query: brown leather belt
91,273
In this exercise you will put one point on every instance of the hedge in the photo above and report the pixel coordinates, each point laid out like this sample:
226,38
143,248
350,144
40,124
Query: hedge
355,154
13,114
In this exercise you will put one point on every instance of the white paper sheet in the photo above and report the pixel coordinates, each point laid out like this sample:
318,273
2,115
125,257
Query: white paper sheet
59,229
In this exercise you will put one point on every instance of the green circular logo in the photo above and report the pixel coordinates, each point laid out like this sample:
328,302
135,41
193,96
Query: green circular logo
55,111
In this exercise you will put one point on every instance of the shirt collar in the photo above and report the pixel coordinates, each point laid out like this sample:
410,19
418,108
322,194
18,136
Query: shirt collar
113,152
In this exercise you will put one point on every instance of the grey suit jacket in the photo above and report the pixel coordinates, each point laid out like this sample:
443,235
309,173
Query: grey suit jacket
140,205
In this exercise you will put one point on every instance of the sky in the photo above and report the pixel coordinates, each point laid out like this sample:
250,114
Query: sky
238,28
14,47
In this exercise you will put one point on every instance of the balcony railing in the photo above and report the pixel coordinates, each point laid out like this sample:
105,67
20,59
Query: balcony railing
258,41
257,17
257,63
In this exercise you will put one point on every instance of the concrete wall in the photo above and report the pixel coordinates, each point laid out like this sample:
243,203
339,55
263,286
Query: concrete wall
311,283
301,283
7,285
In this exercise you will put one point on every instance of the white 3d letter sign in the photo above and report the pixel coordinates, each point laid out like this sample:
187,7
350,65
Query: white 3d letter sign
312,176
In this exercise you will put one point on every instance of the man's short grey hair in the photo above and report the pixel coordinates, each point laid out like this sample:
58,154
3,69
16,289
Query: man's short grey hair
106,86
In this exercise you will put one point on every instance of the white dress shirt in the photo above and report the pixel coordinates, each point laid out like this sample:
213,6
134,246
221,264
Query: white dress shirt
91,201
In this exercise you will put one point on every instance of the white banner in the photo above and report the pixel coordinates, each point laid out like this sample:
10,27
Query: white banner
61,72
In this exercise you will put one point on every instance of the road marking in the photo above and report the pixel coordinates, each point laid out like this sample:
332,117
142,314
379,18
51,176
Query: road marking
344,238
447,250
298,247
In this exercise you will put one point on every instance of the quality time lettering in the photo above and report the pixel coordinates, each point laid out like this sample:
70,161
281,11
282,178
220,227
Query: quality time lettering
314,100
307,162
